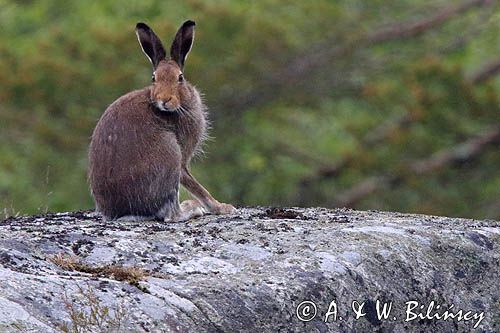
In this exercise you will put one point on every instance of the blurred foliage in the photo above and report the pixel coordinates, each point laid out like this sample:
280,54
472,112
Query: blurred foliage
295,88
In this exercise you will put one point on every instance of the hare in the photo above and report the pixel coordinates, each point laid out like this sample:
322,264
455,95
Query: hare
142,146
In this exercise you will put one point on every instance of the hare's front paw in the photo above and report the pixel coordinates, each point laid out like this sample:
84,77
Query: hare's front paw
223,208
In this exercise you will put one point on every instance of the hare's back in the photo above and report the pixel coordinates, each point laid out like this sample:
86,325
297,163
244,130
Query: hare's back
129,133
132,158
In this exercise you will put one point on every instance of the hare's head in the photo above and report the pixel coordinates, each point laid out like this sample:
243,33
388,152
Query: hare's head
169,87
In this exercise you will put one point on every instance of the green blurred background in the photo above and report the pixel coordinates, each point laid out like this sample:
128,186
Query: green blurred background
375,104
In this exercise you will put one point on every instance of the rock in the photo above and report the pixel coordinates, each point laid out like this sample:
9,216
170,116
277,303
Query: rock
255,271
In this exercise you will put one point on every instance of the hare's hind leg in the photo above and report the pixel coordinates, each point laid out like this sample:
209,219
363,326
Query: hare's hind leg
205,199
172,211
193,208
190,209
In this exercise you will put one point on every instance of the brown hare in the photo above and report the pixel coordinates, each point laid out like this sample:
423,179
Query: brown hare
142,146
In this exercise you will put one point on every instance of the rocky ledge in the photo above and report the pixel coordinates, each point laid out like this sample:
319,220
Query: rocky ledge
259,270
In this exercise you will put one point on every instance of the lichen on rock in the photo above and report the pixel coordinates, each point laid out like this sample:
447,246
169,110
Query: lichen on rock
248,272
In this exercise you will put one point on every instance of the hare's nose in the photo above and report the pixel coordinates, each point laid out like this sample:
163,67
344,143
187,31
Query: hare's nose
165,103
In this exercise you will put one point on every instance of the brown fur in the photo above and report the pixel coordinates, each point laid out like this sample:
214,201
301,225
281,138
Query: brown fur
142,146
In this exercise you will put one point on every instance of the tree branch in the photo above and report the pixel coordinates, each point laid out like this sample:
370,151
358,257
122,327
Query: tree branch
412,29
316,57
381,132
490,70
322,54
372,138
464,152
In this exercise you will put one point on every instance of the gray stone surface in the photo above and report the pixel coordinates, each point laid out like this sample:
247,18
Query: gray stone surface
248,272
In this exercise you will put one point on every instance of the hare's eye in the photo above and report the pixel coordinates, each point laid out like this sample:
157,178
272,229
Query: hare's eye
181,77
153,78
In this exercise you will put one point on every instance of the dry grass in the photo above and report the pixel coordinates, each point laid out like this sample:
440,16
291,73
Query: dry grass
66,262
88,315
130,274
86,312
9,213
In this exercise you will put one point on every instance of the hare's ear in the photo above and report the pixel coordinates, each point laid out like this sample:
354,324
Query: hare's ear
150,44
182,43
